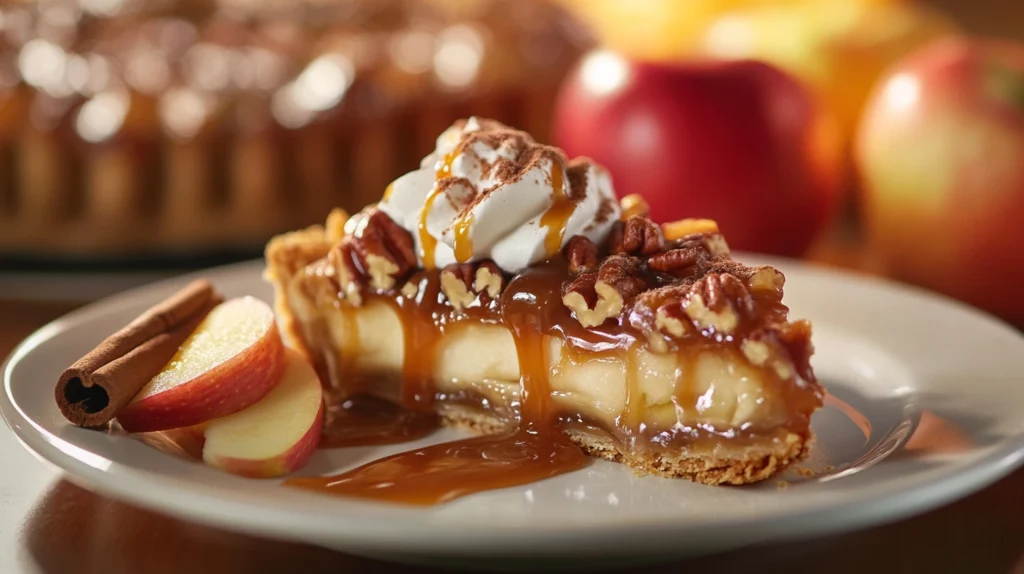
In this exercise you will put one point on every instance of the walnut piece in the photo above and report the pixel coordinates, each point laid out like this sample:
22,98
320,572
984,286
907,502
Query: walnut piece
462,283
672,320
717,301
636,236
596,296
409,290
489,279
581,253
766,279
456,281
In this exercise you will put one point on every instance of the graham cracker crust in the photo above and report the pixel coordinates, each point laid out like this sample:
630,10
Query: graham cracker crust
754,466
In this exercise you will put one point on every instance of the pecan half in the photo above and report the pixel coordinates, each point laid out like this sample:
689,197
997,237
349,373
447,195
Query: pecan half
383,249
718,302
581,253
636,236
596,296
682,261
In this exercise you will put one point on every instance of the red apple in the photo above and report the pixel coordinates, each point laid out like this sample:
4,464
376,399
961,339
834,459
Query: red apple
231,361
739,142
940,152
278,434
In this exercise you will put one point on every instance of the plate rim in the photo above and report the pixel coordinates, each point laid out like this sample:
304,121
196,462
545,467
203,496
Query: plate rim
884,505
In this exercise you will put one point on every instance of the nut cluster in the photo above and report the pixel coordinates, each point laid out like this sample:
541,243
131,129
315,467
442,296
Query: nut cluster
685,263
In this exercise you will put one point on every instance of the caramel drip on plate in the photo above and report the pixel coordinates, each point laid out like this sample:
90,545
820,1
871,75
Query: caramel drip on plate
556,218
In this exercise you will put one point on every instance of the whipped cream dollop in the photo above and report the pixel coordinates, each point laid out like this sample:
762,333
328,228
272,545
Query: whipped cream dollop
488,191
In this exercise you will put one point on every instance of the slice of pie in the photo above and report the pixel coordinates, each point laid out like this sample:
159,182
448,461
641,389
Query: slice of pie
502,282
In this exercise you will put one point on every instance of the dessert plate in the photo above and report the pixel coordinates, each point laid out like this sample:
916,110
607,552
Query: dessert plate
924,407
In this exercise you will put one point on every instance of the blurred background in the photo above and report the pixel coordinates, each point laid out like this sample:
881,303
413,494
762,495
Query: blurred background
141,138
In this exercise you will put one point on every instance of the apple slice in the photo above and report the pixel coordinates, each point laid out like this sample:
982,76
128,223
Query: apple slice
231,361
276,435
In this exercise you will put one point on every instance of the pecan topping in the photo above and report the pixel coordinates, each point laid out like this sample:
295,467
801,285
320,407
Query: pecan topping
581,253
462,283
596,296
680,262
636,236
382,248
717,302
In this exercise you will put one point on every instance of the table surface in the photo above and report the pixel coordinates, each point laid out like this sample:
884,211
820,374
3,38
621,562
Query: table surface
49,525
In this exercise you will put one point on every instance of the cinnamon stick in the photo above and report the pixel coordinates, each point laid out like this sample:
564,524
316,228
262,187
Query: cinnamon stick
91,392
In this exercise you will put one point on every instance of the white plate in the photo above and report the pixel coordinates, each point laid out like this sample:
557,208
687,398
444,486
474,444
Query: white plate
939,384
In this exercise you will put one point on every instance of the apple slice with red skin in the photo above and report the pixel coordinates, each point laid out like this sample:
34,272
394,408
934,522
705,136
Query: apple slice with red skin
231,361
276,435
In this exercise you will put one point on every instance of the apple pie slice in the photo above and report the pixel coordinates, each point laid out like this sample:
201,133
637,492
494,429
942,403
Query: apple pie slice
502,284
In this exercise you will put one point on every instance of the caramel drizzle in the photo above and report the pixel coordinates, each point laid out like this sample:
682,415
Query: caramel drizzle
556,218
428,243
463,242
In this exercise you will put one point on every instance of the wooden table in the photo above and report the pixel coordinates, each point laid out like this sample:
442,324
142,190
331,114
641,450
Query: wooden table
49,525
